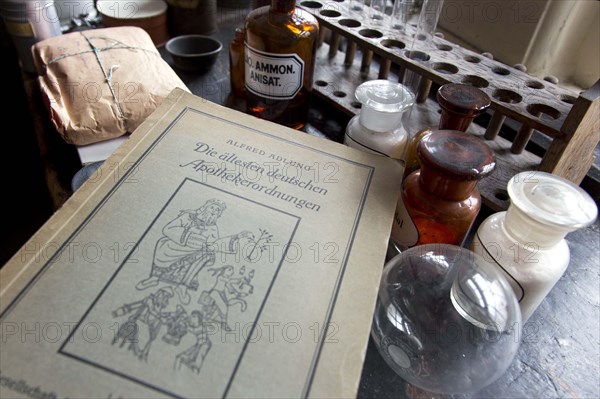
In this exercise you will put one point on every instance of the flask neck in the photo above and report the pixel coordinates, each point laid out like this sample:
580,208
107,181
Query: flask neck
283,6
527,230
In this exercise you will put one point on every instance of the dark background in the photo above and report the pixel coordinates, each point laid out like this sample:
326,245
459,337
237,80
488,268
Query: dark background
21,165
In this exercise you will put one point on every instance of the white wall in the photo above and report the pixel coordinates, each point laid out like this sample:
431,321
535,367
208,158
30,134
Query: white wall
551,37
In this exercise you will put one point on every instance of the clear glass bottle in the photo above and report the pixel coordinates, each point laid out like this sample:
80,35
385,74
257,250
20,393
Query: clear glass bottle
440,201
281,43
236,64
445,320
460,104
377,129
526,243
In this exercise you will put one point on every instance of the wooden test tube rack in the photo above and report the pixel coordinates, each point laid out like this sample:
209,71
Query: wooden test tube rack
358,49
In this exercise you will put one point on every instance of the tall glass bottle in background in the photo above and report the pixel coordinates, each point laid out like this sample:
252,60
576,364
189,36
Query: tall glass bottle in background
236,64
377,11
281,43
460,105
404,13
402,18
428,19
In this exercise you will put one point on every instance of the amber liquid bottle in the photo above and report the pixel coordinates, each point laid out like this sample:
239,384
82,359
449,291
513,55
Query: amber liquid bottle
440,201
460,105
281,43
236,64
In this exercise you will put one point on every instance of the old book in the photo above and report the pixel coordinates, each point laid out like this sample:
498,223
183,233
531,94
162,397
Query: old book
214,255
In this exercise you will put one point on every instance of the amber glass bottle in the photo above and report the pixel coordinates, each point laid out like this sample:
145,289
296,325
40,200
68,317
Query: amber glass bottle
281,43
460,105
440,201
236,64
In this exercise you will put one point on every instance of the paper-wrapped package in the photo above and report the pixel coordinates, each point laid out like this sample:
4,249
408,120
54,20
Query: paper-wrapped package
101,84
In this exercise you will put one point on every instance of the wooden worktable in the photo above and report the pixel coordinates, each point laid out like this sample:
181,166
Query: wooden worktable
560,348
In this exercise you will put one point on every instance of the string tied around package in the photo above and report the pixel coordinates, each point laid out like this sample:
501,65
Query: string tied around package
108,74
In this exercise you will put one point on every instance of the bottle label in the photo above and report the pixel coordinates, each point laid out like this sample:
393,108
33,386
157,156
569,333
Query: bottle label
404,231
354,143
274,76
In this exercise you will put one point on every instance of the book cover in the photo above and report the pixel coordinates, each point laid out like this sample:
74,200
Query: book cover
213,255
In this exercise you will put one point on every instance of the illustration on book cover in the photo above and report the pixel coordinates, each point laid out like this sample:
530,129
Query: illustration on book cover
199,272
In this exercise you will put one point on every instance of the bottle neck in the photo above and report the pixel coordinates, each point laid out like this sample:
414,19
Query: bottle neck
444,187
379,121
460,105
527,230
283,6
454,121
452,162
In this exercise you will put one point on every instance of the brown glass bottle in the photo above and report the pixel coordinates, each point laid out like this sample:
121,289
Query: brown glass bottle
281,43
260,3
460,105
440,201
236,64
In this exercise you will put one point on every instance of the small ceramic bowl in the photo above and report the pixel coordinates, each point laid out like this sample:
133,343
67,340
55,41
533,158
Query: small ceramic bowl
194,53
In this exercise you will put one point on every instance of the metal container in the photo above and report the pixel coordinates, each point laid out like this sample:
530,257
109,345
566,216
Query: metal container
150,15
68,10
29,22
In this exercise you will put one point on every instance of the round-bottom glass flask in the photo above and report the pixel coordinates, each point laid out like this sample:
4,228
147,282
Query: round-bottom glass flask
445,320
